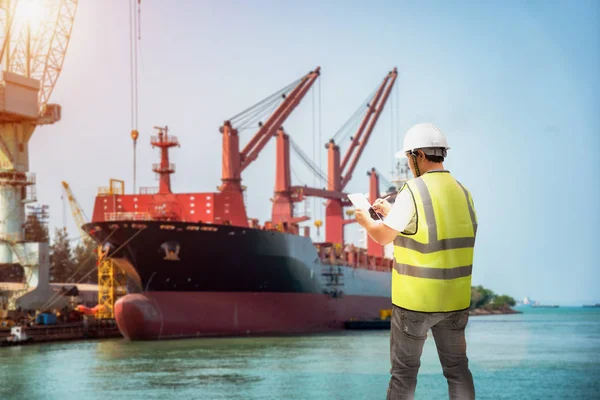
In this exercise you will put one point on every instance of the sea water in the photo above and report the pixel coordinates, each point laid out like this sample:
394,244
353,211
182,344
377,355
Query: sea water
539,354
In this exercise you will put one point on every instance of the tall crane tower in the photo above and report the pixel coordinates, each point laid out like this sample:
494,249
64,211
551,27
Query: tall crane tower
35,37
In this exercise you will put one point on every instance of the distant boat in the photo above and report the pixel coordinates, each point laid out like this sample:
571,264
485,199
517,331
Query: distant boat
597,305
543,306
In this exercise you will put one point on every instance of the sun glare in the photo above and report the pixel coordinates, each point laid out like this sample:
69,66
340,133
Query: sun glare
32,12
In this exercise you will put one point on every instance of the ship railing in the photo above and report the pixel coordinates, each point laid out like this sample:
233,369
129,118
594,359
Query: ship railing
15,177
165,140
148,190
30,178
158,168
106,191
127,216
286,227
352,257
10,238
30,194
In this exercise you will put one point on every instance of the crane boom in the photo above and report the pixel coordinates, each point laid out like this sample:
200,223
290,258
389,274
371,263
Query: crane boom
58,45
258,142
37,51
339,175
76,210
372,116
262,132
235,161
357,136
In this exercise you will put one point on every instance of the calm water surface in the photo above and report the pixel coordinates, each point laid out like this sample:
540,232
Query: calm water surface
540,354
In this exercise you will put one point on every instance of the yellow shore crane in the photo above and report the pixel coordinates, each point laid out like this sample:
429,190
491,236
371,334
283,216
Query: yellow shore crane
112,281
34,37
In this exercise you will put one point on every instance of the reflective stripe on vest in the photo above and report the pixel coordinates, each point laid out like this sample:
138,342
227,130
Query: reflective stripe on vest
432,273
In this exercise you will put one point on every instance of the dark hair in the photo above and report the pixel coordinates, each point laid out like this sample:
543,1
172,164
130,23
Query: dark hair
435,159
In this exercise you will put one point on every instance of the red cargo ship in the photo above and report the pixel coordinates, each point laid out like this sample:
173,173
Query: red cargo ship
204,268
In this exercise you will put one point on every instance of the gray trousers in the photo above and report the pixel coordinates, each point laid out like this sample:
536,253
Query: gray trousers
407,336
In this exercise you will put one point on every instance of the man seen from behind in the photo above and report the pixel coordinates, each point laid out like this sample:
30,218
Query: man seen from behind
433,226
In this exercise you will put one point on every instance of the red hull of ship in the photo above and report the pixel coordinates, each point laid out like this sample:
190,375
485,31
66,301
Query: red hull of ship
167,315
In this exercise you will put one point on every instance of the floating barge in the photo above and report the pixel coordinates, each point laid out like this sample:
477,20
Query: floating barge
21,335
368,324
383,322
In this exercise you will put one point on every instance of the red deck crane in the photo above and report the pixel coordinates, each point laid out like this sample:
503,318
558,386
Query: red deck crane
374,248
338,175
235,161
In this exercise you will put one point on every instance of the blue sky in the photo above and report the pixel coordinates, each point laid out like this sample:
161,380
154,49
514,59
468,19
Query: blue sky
514,85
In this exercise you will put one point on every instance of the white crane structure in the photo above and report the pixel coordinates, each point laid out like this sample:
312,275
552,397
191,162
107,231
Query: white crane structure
34,35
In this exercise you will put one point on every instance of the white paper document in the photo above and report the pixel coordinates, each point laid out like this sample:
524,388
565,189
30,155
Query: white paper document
362,203
359,201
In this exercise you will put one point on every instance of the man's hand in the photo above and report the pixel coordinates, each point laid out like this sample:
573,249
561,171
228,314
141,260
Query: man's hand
362,217
381,206
379,232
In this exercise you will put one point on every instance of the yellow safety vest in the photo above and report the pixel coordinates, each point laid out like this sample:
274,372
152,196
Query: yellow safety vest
432,272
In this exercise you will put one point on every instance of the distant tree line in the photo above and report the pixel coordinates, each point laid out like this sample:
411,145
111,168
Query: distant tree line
67,265
486,298
35,231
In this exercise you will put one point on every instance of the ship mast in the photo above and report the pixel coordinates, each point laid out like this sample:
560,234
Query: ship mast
164,169
402,173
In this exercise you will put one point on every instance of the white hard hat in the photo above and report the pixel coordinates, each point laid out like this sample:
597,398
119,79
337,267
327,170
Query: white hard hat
425,136
400,155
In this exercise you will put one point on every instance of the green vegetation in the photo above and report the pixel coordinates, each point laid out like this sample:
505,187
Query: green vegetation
35,231
61,266
482,298
68,265
78,264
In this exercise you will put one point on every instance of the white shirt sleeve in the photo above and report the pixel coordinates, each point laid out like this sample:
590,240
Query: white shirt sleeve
402,211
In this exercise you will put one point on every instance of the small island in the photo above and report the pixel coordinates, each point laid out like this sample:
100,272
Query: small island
486,302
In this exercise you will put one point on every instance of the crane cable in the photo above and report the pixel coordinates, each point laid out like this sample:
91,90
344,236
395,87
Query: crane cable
131,69
135,47
94,269
274,97
308,162
395,129
352,122
267,109
53,298
392,141
314,145
133,65
320,141
248,121
266,99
